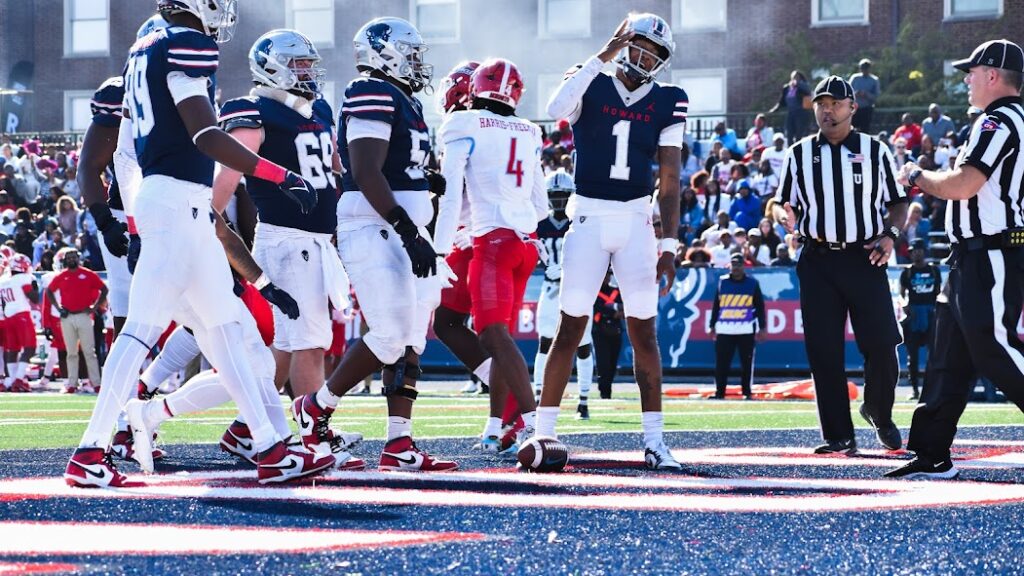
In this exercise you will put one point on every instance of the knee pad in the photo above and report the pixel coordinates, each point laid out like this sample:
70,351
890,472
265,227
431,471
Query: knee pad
583,352
545,345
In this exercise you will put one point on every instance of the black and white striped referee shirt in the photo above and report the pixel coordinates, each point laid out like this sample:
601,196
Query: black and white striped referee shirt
840,192
994,148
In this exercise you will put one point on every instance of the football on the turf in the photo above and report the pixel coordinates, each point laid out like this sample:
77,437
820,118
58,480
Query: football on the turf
540,454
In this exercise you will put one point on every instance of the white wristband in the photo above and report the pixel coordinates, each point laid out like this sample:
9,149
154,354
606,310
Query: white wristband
668,245
261,282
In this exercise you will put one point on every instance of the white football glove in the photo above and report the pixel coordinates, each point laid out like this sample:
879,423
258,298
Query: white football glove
553,272
462,239
446,274
542,251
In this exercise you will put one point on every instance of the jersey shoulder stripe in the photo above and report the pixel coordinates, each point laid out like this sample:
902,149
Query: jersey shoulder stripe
191,52
371,99
108,102
240,113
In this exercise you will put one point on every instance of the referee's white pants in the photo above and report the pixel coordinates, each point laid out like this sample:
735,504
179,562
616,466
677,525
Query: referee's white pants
625,240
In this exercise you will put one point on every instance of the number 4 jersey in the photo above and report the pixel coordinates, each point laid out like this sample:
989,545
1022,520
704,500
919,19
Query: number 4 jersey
186,59
303,145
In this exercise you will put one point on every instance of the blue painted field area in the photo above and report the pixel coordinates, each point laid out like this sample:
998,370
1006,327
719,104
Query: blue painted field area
748,502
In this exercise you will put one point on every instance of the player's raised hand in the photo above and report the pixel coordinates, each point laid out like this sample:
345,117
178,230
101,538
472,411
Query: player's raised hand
617,42
283,300
299,191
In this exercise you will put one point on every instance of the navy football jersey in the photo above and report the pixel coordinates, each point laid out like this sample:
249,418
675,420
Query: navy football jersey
552,234
302,145
616,144
106,106
409,147
162,143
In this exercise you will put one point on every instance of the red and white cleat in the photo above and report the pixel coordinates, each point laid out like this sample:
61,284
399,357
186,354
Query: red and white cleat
281,464
68,389
121,446
401,454
314,423
93,468
20,385
237,440
87,388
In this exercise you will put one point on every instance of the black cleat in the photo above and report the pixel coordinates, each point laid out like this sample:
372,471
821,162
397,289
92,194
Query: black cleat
921,468
888,434
848,447
582,412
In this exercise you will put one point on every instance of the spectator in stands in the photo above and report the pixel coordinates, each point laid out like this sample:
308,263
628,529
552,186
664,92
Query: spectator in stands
775,153
937,124
6,204
782,258
909,131
713,156
23,239
565,140
739,241
7,153
765,181
714,201
769,236
712,235
916,228
929,156
81,293
760,134
7,180
46,261
722,171
756,251
50,239
745,210
697,257
795,99
689,165
691,215
972,114
866,90
946,151
727,136
721,253
900,153
737,174
67,216
71,185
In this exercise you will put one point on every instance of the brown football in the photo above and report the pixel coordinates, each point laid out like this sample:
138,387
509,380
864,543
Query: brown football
542,454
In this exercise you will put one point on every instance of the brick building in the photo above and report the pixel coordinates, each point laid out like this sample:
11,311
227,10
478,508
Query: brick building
730,53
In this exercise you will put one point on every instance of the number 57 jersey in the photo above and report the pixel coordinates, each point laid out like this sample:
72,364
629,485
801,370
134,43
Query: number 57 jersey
617,135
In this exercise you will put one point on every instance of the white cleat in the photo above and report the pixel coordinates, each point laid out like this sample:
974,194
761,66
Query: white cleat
660,458
142,436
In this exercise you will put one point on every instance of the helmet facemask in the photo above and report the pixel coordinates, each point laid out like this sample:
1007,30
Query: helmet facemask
642,62
415,71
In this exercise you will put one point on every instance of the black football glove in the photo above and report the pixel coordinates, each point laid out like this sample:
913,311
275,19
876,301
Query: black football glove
421,253
48,334
134,249
435,182
112,230
299,191
282,300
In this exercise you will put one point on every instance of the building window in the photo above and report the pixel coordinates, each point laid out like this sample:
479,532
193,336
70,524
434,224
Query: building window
564,18
707,89
77,114
314,18
839,12
973,9
86,28
437,20
697,15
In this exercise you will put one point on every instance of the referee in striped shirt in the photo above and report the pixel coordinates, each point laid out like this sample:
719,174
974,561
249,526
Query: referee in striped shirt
839,188
980,305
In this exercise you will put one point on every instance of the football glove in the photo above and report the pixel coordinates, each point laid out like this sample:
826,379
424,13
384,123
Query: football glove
299,191
421,253
462,239
112,230
435,182
134,249
445,272
283,300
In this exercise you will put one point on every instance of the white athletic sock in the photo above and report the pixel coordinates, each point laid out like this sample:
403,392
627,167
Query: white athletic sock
51,361
538,370
653,424
326,399
120,374
202,392
585,375
398,426
22,370
12,370
483,371
530,419
493,427
236,376
546,418
179,349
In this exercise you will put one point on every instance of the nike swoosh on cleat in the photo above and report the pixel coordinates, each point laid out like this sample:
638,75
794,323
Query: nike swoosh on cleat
293,463
411,460
241,444
303,423
94,471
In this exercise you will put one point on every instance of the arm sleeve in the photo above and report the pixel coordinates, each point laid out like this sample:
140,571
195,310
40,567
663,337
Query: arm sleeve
567,101
108,102
759,310
360,128
239,113
892,192
458,144
540,193
192,53
990,142
714,306
182,86
368,99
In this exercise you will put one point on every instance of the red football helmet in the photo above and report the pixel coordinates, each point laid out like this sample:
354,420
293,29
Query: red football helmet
499,80
454,93
20,264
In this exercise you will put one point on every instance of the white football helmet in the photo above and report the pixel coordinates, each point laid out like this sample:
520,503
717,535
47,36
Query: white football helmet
218,16
287,60
395,48
155,22
560,186
655,29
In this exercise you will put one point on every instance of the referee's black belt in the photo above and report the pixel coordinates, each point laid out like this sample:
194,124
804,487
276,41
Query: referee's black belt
824,245
1012,238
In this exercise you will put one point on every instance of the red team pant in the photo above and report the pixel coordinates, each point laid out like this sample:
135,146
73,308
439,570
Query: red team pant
19,332
457,298
501,266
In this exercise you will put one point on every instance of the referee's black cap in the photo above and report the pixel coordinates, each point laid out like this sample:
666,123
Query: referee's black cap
995,54
835,87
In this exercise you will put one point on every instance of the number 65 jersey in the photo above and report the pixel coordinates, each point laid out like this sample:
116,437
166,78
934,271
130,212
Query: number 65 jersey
302,145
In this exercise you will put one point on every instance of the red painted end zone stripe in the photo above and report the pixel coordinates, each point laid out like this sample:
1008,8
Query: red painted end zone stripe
27,568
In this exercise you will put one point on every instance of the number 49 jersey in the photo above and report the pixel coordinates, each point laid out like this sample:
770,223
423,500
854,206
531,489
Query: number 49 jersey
302,145
162,142
616,142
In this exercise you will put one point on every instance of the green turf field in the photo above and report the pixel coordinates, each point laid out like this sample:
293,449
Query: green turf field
54,420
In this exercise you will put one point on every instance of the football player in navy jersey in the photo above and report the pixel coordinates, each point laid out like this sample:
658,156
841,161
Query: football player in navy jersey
551,232
382,238
285,120
622,124
169,85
